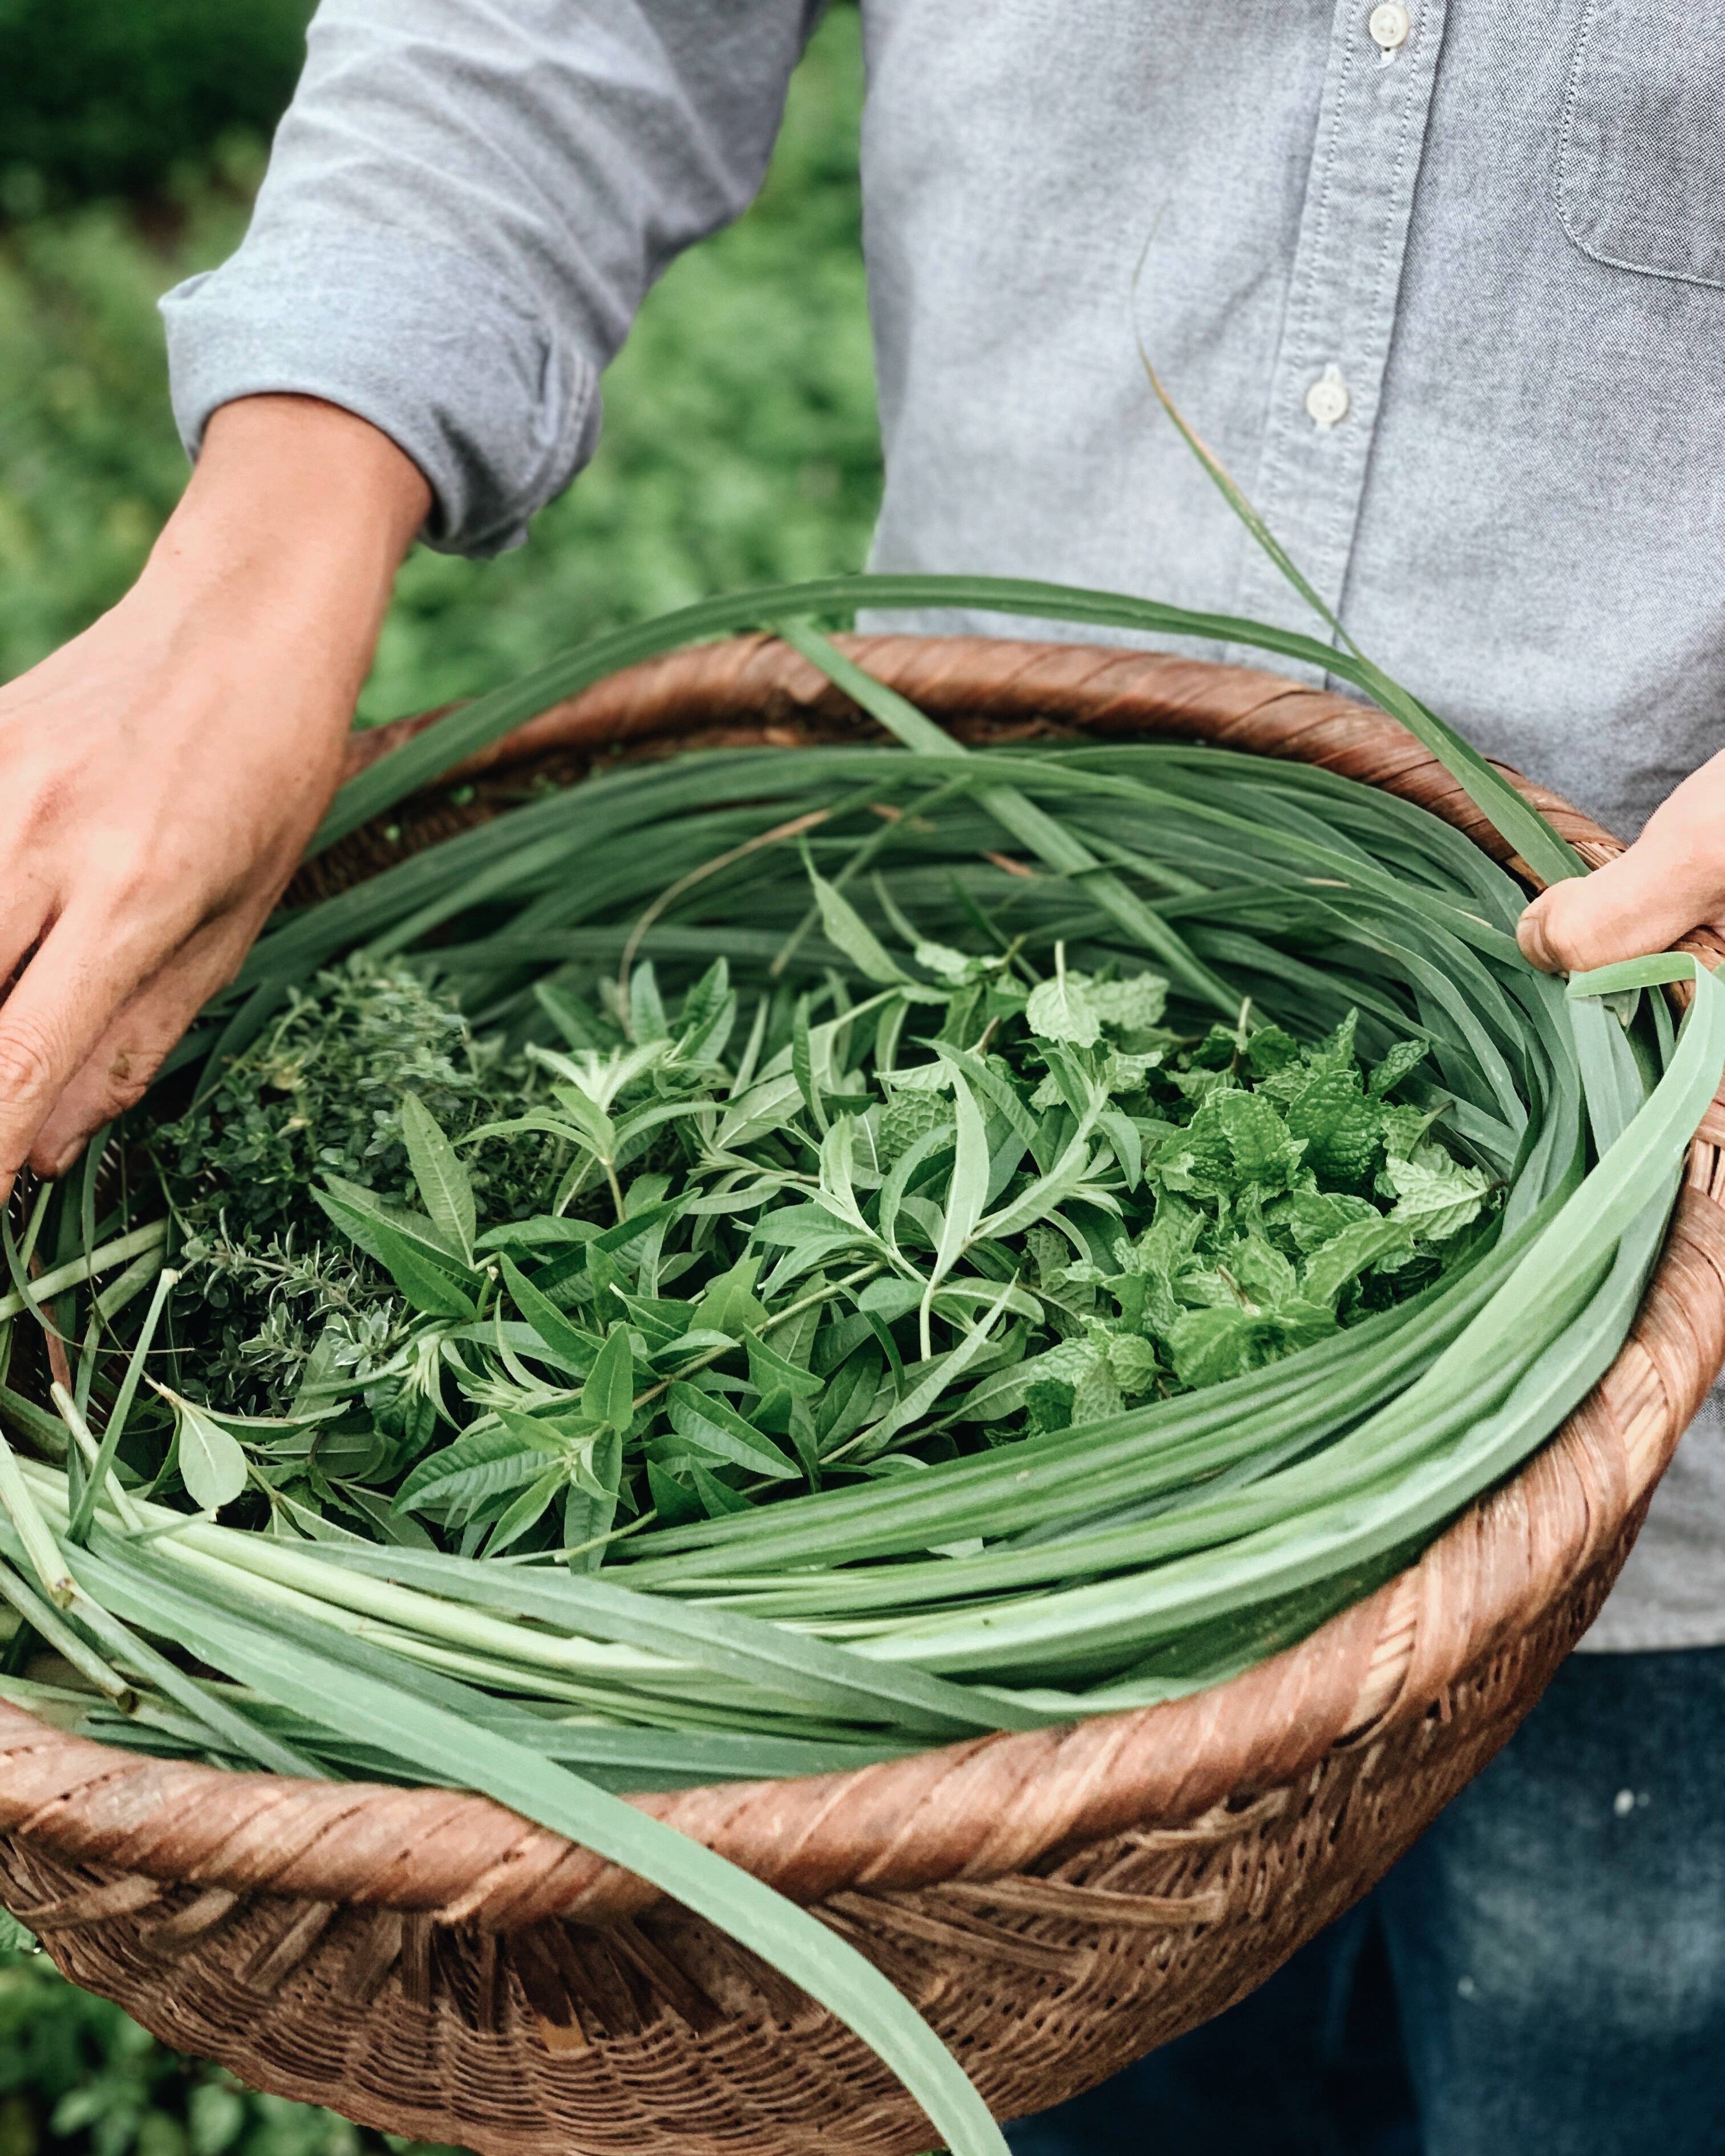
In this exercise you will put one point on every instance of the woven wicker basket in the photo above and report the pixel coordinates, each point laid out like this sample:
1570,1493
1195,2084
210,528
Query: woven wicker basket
1056,1903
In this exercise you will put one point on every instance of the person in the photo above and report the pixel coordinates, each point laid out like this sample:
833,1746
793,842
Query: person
1444,284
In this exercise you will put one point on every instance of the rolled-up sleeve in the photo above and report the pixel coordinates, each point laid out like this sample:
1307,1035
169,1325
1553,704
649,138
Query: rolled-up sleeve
466,205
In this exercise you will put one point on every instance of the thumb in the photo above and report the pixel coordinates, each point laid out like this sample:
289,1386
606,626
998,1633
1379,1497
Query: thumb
1642,901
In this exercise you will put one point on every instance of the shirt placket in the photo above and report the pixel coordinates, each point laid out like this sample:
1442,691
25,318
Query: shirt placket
1326,392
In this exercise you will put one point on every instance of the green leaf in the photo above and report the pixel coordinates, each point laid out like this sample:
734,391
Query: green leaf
577,1025
772,1373
946,964
1123,1134
646,1010
596,1464
1049,1404
1338,1126
705,1422
426,1285
569,1346
481,1463
211,1463
1133,1361
910,1113
589,1125
660,1321
708,1013
1096,1394
588,1519
1270,1049
1132,1005
527,1510
1353,1250
674,1497
802,1064
608,1394
1210,1346
444,1185
1406,1055
1312,1218
1237,1140
1435,1196
717,1498
729,1304
1061,1009
787,1225
418,1229
547,1231
968,1188
846,931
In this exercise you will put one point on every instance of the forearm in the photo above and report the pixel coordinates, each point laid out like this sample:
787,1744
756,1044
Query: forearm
295,522
465,205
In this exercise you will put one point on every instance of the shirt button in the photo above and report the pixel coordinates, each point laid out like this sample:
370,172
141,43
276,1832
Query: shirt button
1326,400
1389,25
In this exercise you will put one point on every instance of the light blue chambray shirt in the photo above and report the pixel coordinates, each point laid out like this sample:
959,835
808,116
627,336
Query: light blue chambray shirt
1443,283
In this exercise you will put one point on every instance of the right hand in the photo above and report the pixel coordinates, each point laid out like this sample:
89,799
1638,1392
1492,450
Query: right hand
160,775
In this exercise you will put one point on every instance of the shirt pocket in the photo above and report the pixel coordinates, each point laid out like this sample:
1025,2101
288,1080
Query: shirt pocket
1641,155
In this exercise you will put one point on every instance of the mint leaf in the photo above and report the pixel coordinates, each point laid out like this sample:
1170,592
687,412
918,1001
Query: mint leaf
1337,1264
1405,1056
1061,1009
1133,1004
1338,1126
1435,1196
1237,1140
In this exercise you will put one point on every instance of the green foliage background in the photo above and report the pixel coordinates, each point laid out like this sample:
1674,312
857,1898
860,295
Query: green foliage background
740,445
740,441
108,95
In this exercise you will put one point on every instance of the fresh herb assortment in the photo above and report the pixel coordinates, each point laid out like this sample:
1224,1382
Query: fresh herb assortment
762,1260
732,1260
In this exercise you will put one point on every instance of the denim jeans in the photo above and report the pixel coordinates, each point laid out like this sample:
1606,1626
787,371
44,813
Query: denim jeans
1544,1975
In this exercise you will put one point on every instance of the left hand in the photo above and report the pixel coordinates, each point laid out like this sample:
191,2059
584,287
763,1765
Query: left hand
1670,880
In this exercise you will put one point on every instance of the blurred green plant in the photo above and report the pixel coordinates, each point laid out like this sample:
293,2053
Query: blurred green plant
740,442
107,97
89,462
77,2077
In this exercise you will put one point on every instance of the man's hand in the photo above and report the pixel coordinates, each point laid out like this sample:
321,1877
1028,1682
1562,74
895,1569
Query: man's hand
1670,880
160,776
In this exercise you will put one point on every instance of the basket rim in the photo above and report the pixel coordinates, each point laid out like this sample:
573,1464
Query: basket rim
1003,1802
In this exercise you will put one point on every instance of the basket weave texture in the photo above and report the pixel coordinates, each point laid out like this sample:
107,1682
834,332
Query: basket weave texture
1056,1903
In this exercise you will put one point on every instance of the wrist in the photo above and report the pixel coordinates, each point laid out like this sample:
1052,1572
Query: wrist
298,515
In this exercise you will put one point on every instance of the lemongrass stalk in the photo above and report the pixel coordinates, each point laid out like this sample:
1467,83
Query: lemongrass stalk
33,1531
77,1271
57,1635
99,1460
102,1466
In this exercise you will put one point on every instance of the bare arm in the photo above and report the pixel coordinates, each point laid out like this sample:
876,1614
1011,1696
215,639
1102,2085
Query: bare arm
160,776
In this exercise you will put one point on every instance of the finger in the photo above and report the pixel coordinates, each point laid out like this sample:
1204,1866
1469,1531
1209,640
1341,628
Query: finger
1642,901
23,922
85,968
120,1069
